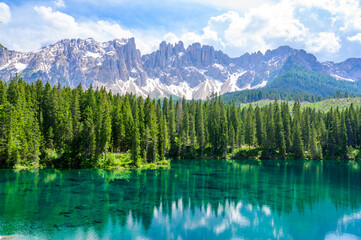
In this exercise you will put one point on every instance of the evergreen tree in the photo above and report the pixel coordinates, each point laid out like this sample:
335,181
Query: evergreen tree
259,126
104,136
231,138
286,120
297,147
279,134
249,130
166,137
151,132
343,133
88,138
3,99
192,136
117,125
234,121
214,126
141,127
223,131
200,128
135,150
315,150
269,142
161,135
185,129
127,123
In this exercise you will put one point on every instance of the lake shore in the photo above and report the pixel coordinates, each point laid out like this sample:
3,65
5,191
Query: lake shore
114,161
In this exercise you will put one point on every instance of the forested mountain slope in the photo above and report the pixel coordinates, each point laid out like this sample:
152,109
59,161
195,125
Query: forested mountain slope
297,83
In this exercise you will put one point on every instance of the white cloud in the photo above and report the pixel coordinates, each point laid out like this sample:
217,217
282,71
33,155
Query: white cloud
51,26
251,31
355,38
346,11
42,25
56,19
229,4
324,41
271,25
59,3
258,25
5,13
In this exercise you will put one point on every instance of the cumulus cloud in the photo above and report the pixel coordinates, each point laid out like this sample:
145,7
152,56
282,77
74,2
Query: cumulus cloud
348,12
5,13
43,25
61,25
270,25
355,38
230,4
253,30
319,26
324,41
59,3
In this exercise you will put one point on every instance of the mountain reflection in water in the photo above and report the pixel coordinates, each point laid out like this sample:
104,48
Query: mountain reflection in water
192,200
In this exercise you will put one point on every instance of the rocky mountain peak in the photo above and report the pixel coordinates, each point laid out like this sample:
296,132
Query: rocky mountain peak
282,50
203,56
304,59
194,72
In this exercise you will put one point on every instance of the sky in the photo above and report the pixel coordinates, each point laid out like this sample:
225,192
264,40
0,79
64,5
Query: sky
329,29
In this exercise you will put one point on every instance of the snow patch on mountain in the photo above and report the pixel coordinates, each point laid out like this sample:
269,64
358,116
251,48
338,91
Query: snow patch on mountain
20,66
220,67
93,55
193,72
231,84
248,86
206,88
5,66
342,78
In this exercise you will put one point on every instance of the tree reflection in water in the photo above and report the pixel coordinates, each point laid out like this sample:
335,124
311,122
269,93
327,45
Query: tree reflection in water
191,200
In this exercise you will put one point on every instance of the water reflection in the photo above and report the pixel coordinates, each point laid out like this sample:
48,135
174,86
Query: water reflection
191,200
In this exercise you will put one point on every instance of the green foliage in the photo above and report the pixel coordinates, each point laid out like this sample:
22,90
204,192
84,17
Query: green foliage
50,156
71,128
248,153
125,161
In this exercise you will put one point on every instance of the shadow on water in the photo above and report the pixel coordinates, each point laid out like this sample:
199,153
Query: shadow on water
191,200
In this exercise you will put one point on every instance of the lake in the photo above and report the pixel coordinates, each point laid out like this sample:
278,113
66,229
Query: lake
193,199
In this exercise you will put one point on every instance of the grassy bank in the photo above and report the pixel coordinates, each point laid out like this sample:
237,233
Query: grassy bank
114,161
245,152
324,105
123,161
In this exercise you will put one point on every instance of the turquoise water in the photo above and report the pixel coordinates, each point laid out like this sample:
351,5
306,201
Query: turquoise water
213,199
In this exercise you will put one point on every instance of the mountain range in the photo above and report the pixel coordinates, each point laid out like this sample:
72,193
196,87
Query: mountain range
196,71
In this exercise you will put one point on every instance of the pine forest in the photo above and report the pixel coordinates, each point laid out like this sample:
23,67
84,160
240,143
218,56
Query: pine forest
47,126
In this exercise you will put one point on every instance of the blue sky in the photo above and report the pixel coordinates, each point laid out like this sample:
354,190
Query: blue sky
330,29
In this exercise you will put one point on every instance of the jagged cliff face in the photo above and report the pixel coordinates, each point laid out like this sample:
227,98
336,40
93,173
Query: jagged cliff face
194,72
71,62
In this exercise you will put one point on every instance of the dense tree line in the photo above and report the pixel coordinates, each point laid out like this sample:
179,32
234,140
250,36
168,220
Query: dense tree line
64,127
254,95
